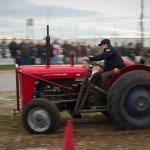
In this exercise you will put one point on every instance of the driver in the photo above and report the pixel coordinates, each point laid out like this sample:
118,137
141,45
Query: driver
112,59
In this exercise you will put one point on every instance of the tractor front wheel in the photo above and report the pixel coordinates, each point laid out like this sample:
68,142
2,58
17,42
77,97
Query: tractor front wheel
41,116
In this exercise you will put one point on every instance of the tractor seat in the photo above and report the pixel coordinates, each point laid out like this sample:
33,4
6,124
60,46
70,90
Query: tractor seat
105,78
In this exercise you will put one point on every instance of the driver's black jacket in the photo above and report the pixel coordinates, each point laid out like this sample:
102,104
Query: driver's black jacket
112,59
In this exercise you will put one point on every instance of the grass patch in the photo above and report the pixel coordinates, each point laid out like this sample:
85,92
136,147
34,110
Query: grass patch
66,115
7,67
147,62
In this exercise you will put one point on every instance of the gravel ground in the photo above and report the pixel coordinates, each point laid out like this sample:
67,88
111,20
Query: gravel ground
91,132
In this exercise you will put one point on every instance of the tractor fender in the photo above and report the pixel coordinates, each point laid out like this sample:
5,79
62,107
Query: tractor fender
128,69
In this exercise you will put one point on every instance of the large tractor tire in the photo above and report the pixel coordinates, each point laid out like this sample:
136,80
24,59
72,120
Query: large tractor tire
41,116
129,100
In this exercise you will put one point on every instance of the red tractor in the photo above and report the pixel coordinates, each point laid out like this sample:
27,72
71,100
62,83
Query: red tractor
46,90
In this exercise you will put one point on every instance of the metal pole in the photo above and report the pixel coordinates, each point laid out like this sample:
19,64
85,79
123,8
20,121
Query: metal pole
48,47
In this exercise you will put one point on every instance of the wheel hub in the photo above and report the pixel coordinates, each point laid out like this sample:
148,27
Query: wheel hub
39,119
141,103
138,102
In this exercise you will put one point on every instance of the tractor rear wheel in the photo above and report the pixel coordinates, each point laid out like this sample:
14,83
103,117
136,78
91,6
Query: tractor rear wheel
129,100
41,116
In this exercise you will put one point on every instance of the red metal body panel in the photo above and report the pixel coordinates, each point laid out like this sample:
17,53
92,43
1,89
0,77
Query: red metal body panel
129,63
30,74
28,84
127,69
56,71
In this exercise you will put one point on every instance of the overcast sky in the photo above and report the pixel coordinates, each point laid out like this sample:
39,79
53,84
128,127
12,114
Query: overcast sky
73,17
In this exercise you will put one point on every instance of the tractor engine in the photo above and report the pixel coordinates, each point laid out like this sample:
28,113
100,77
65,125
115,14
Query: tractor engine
62,97
54,92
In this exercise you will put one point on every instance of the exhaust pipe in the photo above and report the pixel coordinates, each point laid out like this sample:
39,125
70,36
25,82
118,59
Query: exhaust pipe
48,47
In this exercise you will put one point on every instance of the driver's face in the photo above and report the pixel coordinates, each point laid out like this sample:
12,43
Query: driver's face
102,47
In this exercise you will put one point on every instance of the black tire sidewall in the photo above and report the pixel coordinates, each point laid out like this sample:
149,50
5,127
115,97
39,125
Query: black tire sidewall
49,107
117,96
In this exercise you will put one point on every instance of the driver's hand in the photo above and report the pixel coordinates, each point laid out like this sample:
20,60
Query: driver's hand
101,69
85,58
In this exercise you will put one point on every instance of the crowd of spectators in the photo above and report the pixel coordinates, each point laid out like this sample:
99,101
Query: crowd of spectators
27,52
131,50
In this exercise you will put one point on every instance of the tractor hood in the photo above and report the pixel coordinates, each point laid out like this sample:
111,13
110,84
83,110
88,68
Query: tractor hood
56,71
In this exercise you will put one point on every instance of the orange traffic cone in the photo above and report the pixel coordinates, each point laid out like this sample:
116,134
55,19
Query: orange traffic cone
69,137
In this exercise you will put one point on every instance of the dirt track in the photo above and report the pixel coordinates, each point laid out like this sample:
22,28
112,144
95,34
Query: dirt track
91,132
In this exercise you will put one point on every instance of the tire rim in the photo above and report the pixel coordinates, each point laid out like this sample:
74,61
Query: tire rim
137,103
39,119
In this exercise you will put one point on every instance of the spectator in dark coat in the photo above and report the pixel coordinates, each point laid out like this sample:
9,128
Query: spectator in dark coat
138,48
131,52
13,47
123,49
43,52
66,49
25,53
3,47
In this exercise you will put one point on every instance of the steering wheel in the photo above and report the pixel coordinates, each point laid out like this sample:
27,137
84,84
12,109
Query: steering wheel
93,63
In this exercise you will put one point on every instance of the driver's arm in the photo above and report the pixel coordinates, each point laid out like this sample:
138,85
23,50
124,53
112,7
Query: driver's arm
85,58
106,54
